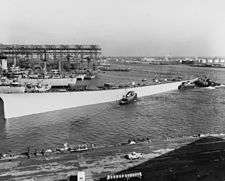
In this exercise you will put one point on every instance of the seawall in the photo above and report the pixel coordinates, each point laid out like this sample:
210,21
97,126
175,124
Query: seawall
17,105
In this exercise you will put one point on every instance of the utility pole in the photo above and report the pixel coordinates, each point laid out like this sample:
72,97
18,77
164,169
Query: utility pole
45,62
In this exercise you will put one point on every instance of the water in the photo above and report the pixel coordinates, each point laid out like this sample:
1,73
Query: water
171,115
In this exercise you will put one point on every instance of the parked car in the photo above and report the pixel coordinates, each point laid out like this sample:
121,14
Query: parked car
134,156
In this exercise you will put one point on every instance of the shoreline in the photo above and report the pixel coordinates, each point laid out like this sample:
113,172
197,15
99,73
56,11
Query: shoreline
97,163
100,162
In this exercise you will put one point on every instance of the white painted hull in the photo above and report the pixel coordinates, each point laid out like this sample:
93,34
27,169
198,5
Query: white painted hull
17,105
52,82
10,89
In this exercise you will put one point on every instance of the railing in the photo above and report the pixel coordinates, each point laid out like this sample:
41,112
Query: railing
125,176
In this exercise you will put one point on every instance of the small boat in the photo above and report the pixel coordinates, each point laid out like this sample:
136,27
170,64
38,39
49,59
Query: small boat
197,83
186,85
206,83
130,97
42,88
64,149
80,148
89,76
80,77
37,87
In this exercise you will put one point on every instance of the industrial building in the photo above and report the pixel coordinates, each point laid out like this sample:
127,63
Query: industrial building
45,53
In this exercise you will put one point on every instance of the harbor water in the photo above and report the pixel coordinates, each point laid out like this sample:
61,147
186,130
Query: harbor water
171,115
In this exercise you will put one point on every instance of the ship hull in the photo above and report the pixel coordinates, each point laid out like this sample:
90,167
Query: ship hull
52,82
10,89
17,105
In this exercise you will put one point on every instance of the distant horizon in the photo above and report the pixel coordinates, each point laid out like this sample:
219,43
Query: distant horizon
120,27
165,56
169,56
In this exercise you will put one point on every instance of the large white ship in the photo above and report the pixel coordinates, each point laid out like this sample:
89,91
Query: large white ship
10,89
17,105
21,104
23,85
49,81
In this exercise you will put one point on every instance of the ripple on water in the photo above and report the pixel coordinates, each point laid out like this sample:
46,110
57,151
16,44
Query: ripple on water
173,115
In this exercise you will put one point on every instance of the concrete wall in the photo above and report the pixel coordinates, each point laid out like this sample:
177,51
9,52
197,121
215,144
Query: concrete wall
16,105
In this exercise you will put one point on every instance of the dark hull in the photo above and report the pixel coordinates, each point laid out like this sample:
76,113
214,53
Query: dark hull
128,100
198,84
185,87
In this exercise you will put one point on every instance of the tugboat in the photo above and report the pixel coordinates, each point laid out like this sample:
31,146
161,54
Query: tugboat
186,85
130,97
197,83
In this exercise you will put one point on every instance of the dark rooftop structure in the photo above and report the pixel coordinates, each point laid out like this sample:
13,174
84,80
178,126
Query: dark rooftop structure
203,159
47,52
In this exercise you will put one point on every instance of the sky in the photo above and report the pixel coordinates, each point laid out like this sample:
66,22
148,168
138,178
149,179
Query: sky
120,27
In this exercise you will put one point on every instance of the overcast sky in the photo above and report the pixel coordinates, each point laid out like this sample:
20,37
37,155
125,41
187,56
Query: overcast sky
121,27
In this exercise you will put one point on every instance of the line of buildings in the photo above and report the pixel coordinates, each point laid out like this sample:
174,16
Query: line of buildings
195,61
45,53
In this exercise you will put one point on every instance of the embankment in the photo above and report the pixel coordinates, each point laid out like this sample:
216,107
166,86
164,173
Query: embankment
17,105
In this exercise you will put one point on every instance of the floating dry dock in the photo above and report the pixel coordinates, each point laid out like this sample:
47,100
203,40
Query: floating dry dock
17,105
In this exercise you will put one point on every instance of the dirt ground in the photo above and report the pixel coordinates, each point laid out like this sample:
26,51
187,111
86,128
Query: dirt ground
96,163
200,159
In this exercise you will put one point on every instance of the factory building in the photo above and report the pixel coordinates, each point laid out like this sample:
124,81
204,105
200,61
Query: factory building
48,53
